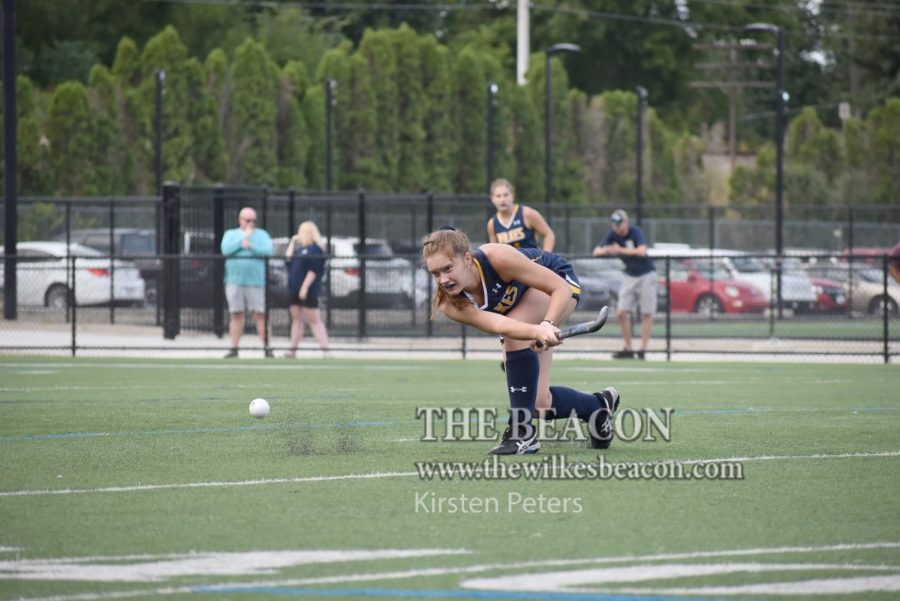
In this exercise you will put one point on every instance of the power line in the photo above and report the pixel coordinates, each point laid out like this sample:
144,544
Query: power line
876,11
688,26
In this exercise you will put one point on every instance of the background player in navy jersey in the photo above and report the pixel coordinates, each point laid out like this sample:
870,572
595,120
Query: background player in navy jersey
515,224
524,295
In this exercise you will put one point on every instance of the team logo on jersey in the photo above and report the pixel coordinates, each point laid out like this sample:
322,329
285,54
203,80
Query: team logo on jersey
497,287
508,301
514,389
512,235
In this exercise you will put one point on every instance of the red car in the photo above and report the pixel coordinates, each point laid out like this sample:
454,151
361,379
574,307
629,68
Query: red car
830,295
699,286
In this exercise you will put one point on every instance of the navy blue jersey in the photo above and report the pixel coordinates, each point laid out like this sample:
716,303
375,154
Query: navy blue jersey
306,259
634,266
516,233
500,295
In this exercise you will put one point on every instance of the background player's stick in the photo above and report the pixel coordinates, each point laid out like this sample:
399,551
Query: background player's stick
586,327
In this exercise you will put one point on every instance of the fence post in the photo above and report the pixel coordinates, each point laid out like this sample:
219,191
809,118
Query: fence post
361,215
71,304
171,265
112,262
885,306
218,267
668,309
328,251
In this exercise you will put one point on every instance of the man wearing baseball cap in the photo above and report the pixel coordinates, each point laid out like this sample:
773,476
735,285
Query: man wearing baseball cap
638,287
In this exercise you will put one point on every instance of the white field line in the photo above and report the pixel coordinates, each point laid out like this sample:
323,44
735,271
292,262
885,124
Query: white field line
217,366
379,475
426,572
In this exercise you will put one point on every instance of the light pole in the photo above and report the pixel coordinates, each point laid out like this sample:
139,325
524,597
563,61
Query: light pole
330,101
639,154
10,160
548,119
781,98
158,125
491,105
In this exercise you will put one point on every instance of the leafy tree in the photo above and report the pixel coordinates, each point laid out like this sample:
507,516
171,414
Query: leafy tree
755,185
688,152
810,143
883,124
254,155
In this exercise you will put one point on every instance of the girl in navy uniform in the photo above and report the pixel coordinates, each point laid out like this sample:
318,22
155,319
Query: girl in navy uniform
523,295
306,267
515,224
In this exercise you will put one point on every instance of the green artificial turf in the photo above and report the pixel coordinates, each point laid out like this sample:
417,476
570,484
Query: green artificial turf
156,459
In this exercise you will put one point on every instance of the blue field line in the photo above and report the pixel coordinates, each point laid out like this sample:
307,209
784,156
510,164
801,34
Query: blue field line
396,422
441,594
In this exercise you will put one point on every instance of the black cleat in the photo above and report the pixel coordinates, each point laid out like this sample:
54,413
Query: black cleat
640,355
623,354
269,353
524,445
600,426
231,354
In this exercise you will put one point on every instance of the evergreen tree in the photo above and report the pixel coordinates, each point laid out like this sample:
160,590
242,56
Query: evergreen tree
378,50
33,171
293,137
219,88
314,114
71,141
337,65
165,52
471,99
110,151
254,155
527,145
439,143
208,149
411,108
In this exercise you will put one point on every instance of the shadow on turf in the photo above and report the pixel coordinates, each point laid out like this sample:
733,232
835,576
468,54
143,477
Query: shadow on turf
340,439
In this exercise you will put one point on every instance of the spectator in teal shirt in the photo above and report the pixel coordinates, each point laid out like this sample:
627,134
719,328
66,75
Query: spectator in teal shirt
246,248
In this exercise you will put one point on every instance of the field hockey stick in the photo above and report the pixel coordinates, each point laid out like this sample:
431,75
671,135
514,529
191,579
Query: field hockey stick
586,327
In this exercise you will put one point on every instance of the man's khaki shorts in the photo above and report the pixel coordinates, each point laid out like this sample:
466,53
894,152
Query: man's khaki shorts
638,291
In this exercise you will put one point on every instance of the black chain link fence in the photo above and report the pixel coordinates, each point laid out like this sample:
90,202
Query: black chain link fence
99,274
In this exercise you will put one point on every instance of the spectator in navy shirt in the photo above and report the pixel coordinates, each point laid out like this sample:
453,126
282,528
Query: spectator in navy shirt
306,268
638,287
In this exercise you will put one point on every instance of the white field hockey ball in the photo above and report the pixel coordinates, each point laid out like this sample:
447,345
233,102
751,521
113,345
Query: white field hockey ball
259,408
